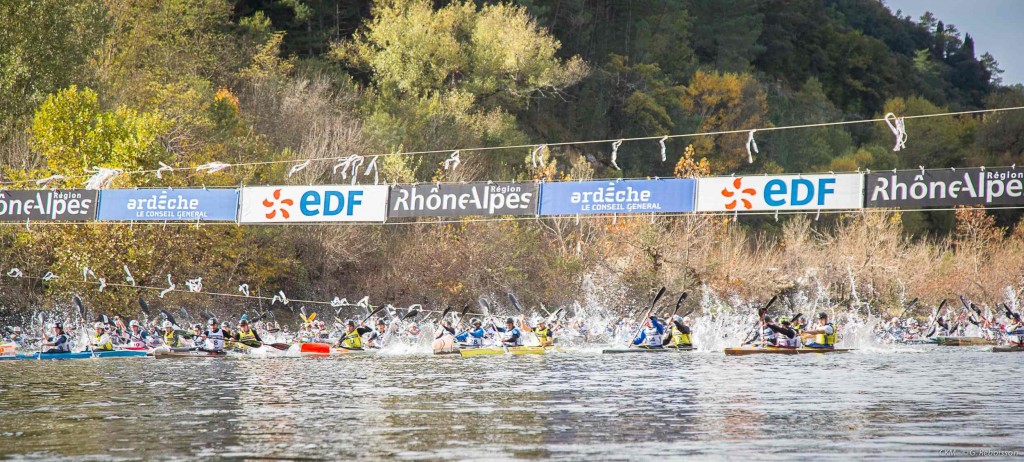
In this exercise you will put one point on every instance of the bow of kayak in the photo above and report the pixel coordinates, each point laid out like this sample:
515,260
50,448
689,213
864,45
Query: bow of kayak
747,350
645,350
79,355
494,351
963,341
167,353
1007,348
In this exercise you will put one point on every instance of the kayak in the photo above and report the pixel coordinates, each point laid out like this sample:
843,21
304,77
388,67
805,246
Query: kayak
165,353
497,350
79,355
1007,348
918,341
963,341
646,350
748,350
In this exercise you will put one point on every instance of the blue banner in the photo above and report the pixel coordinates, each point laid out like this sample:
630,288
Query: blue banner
168,205
617,196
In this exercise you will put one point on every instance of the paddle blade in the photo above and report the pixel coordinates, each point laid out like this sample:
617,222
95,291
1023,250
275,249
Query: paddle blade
411,314
279,346
658,297
483,306
81,309
464,311
371,314
311,317
168,317
515,302
964,302
912,303
770,303
144,306
445,312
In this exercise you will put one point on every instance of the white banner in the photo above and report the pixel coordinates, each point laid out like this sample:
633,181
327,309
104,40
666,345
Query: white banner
781,192
299,204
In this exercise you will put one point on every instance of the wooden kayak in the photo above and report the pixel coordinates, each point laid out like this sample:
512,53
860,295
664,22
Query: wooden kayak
1007,348
167,353
748,350
645,350
497,350
963,341
919,341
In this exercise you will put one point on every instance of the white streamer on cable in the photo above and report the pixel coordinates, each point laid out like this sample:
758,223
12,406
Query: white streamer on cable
349,165
244,289
338,303
49,276
49,179
163,168
170,287
615,153
195,285
103,284
453,161
279,298
364,302
15,273
662,143
373,166
898,129
212,167
101,177
299,167
86,272
538,153
751,144
128,276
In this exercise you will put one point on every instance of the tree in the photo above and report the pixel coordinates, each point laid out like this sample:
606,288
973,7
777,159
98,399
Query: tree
719,102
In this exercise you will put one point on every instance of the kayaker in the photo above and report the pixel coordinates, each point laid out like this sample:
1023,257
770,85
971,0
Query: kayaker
376,338
474,336
59,342
213,337
172,338
510,335
824,334
247,336
444,337
16,336
543,332
787,336
353,338
100,341
679,333
650,335
135,337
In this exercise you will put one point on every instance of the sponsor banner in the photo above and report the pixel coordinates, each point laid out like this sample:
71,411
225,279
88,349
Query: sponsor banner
168,205
783,192
454,200
299,204
48,205
622,196
945,188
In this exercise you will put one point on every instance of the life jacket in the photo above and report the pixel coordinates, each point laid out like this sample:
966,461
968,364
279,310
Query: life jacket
769,337
476,337
787,342
105,346
352,340
247,338
172,339
679,338
827,339
543,335
61,343
215,340
653,337
506,338
136,339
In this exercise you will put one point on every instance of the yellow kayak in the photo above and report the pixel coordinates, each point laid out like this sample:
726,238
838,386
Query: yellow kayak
750,350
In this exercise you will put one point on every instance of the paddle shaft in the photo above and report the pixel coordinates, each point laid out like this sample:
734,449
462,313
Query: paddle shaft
649,311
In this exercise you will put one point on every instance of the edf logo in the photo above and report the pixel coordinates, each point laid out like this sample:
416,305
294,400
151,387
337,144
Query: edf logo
798,191
310,204
331,203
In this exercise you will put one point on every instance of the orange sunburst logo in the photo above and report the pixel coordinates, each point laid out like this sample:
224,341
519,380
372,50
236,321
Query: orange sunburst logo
277,205
737,187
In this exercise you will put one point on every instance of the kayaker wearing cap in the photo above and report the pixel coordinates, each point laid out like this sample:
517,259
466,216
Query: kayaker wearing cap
787,336
376,339
353,338
650,335
543,332
825,333
135,337
510,335
59,342
473,337
100,341
172,338
213,337
246,336
679,333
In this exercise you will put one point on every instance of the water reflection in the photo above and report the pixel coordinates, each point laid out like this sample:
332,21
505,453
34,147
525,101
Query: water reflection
564,406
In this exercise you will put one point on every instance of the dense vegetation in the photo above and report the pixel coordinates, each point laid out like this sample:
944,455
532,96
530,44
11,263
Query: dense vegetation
131,83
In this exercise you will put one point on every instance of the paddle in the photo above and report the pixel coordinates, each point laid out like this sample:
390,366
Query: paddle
168,317
367,318
515,302
649,310
484,306
682,298
410,314
144,306
909,306
81,309
760,318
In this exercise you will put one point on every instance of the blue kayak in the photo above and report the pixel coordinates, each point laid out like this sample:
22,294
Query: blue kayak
81,355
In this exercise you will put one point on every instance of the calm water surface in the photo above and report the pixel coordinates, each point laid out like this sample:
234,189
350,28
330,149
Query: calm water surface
913,402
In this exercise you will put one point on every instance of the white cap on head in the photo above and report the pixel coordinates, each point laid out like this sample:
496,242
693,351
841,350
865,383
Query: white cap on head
134,323
99,325
168,324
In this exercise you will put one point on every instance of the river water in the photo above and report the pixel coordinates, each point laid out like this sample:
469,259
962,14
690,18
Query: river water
891,403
